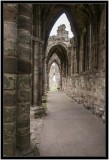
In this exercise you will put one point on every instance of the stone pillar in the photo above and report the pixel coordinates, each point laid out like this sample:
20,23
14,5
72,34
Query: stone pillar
61,76
24,75
48,88
61,79
36,73
40,76
44,76
10,70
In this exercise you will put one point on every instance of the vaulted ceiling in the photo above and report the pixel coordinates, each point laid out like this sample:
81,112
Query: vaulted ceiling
78,14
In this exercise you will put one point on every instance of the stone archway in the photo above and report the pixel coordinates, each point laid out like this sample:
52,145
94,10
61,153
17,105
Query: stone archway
54,77
26,31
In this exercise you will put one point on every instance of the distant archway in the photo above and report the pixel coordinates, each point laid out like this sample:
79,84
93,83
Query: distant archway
54,77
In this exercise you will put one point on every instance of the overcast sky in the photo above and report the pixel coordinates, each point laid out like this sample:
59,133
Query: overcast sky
62,20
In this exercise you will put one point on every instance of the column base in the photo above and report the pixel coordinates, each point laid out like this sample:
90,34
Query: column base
29,152
37,112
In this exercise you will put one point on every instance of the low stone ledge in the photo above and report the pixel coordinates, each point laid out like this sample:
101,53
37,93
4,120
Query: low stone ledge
94,108
37,112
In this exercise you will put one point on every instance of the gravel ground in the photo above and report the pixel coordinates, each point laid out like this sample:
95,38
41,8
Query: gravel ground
35,132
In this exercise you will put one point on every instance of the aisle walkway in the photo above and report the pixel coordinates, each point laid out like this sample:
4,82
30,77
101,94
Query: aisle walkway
71,130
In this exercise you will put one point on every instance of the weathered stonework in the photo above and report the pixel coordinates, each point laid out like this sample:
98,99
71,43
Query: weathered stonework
9,114
24,76
10,81
23,112
24,82
81,62
88,83
88,88
10,78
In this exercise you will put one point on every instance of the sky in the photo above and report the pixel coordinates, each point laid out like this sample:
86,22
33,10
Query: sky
62,20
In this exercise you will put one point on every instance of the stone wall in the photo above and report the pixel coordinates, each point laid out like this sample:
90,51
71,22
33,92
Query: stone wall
88,86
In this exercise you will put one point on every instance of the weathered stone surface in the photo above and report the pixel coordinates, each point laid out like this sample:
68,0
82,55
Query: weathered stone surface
9,132
24,82
81,61
9,149
9,114
23,138
10,30
24,79
10,65
24,52
24,23
24,112
24,96
10,98
23,124
10,12
39,112
24,38
25,10
10,47
9,81
24,66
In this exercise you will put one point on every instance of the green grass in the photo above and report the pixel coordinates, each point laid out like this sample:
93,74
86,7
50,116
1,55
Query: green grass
53,88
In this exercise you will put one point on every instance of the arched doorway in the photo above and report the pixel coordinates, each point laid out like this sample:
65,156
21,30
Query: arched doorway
54,77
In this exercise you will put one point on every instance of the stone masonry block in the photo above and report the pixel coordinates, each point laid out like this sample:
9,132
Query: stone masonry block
24,96
23,138
23,112
24,52
24,82
9,98
9,149
9,63
9,81
24,66
9,131
10,29
10,12
9,114
24,38
23,124
25,10
10,47
24,23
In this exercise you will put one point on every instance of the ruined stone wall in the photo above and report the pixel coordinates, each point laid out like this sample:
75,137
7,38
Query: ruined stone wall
88,86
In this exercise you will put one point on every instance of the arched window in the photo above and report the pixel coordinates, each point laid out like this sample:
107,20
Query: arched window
62,20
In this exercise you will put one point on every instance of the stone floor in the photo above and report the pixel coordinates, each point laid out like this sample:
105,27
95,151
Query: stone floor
68,129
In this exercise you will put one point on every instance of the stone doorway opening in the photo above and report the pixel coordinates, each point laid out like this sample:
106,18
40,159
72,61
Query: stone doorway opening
54,77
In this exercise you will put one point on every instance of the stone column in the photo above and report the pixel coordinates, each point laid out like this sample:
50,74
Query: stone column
24,75
48,88
10,70
40,76
36,73
44,76
60,78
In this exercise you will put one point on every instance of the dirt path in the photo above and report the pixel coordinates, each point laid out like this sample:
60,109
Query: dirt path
70,130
